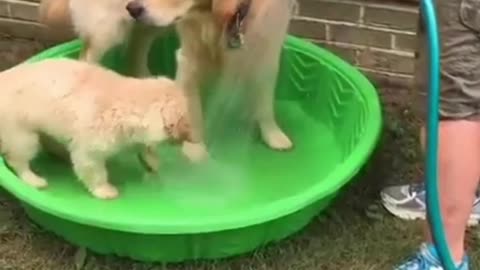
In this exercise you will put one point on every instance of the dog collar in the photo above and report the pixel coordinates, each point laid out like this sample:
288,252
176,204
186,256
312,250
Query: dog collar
236,26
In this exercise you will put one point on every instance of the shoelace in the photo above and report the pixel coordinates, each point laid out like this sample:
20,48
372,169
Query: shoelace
416,188
415,263
235,28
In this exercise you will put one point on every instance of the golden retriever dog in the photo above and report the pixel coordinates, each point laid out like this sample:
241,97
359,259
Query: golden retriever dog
104,24
205,56
203,28
93,111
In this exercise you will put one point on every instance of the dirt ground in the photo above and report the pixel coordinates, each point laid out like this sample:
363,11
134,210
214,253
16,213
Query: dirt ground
355,234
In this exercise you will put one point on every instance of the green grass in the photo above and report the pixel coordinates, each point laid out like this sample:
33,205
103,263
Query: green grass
354,234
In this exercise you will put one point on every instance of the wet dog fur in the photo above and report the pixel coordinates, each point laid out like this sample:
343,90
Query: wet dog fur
92,111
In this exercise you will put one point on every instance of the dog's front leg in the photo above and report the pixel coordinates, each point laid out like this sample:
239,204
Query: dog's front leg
195,152
271,133
138,49
97,45
189,77
263,97
93,50
90,169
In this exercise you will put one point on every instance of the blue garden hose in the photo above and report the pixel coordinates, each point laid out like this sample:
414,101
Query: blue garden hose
428,11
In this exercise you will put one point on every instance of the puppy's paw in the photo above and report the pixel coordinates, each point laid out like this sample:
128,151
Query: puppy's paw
105,191
34,180
277,139
195,152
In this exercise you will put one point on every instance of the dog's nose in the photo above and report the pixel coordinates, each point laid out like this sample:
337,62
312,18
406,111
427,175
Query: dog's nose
135,9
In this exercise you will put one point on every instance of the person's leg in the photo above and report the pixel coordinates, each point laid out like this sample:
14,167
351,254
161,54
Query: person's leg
408,201
459,145
459,169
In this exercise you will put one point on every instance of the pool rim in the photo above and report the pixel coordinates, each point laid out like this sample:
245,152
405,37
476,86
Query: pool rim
335,180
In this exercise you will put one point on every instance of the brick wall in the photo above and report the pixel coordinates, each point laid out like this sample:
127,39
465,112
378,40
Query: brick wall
376,35
19,18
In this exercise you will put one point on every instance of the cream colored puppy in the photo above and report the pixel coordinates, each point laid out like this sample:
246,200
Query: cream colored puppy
103,24
93,111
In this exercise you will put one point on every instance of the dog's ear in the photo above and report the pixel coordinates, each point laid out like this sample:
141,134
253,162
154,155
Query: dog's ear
184,129
177,124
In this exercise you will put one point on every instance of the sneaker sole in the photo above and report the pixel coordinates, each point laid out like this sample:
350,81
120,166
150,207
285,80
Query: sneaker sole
410,215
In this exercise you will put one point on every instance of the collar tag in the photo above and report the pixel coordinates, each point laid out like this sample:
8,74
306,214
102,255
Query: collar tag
236,26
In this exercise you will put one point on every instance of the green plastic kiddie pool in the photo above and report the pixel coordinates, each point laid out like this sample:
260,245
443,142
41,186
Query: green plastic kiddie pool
247,196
